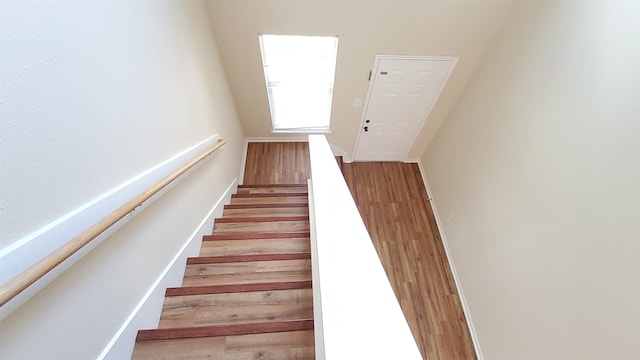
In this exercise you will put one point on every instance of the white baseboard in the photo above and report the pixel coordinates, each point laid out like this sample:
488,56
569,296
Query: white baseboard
339,152
244,161
452,267
147,313
27,251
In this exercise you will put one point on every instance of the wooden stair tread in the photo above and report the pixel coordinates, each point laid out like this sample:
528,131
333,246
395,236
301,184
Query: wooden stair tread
272,189
260,212
256,235
255,247
250,186
266,206
224,330
221,228
280,199
247,272
245,258
248,278
241,219
287,345
261,195
246,267
236,288
237,307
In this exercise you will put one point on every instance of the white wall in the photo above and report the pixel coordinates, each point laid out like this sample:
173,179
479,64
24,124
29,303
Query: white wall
93,94
365,28
536,178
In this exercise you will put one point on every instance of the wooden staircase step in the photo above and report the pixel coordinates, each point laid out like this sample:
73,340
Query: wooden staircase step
247,272
289,345
255,247
271,185
280,199
270,195
267,189
246,258
257,235
235,288
260,212
243,219
249,293
223,330
267,206
259,226
236,308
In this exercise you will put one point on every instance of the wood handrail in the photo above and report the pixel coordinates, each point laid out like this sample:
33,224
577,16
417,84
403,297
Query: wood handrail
20,282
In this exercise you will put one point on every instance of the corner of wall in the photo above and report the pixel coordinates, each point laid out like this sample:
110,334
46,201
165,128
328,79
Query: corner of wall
339,152
452,267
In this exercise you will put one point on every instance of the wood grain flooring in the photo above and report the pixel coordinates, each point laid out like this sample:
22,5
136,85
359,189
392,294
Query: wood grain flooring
395,207
277,163
280,345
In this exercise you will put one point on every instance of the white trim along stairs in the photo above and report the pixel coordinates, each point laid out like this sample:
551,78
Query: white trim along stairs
248,293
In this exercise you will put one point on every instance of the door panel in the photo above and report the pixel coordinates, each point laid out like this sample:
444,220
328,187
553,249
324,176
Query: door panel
401,95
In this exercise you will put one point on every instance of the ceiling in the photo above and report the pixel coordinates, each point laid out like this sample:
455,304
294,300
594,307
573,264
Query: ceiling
365,29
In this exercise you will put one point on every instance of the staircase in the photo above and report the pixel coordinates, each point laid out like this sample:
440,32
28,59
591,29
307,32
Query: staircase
248,295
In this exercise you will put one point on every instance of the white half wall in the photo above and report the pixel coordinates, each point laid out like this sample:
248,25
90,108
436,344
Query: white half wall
536,174
94,94
32,248
146,315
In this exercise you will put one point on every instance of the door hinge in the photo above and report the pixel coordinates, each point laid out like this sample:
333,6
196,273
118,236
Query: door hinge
370,75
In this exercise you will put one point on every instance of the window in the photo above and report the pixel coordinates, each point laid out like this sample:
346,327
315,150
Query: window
299,72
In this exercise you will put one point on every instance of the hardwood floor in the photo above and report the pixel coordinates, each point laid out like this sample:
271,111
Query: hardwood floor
394,205
277,163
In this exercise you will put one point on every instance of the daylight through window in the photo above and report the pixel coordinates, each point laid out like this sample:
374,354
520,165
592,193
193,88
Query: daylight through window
299,72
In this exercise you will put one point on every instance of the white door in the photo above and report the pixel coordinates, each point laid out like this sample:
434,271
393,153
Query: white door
402,92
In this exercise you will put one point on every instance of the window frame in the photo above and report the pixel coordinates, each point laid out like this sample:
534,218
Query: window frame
327,84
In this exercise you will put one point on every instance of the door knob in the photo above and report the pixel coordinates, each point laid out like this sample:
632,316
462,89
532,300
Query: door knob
366,128
368,121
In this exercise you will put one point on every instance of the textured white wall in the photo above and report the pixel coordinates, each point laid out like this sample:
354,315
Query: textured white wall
461,28
93,94
536,178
